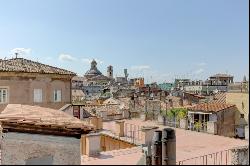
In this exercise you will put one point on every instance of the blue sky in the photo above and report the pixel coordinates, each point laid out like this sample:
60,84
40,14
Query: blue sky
157,39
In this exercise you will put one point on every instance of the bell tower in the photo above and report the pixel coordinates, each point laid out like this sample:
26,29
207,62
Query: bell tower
110,72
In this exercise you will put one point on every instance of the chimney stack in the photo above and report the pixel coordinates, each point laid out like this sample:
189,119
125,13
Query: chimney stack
168,147
157,148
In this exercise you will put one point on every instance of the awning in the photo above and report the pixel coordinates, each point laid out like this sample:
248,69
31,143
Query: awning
191,112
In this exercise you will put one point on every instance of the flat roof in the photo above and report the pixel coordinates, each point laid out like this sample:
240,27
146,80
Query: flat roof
129,156
189,144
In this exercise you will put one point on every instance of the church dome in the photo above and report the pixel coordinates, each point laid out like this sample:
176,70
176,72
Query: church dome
93,70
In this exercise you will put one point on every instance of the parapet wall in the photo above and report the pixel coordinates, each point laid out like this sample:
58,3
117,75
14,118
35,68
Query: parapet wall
240,156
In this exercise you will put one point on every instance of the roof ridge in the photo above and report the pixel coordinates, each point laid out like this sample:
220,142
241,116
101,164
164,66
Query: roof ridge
35,65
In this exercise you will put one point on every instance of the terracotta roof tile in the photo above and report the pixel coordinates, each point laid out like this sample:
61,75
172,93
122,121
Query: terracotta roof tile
210,107
30,117
219,98
28,66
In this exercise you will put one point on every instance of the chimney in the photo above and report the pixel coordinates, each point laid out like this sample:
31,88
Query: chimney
168,147
157,148
92,144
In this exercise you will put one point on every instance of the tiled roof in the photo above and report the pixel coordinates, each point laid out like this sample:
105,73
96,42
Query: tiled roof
28,66
26,118
110,109
77,92
219,98
99,77
210,107
86,114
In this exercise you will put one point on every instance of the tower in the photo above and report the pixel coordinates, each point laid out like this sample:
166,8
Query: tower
110,71
126,74
93,64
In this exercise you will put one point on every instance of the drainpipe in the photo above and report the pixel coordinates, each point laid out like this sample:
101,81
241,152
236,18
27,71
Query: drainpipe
157,148
70,90
168,147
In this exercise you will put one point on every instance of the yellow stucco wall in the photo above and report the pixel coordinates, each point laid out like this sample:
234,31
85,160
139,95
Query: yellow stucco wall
241,100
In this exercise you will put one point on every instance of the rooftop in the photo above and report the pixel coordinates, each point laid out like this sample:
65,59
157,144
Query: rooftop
28,66
195,95
35,119
221,75
189,144
219,98
129,156
211,107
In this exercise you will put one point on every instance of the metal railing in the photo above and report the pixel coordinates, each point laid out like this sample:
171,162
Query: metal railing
217,158
133,132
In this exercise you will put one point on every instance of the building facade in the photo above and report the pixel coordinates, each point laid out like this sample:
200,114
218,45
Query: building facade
27,82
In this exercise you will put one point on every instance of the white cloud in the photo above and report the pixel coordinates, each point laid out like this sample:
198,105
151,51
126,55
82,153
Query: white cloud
140,67
66,57
199,71
22,52
88,60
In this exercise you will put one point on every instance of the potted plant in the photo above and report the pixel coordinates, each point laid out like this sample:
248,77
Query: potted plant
171,116
198,126
182,118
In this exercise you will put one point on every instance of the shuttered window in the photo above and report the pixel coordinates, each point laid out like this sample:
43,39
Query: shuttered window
57,95
3,95
38,95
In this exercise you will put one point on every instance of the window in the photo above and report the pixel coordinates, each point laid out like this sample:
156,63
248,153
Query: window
3,95
57,95
38,95
241,115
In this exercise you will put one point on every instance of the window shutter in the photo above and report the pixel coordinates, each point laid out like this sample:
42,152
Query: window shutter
38,95
59,95
35,95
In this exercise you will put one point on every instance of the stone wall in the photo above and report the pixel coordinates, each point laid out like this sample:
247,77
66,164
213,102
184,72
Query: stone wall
241,100
240,156
212,127
183,124
21,148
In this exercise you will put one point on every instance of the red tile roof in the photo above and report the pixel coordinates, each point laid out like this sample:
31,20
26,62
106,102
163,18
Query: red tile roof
219,98
210,107
28,66
35,119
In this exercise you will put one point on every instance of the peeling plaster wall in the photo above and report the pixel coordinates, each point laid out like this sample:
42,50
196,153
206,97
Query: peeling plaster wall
20,148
